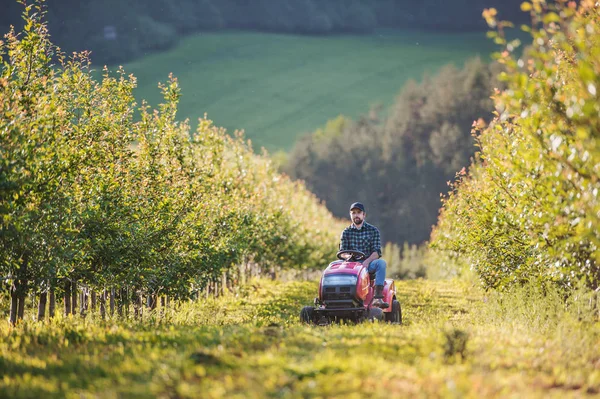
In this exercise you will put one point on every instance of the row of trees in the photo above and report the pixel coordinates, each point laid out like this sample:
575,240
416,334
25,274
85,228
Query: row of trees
141,26
529,208
91,196
399,164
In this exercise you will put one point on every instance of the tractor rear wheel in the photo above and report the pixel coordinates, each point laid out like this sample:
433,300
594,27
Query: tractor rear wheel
306,315
395,316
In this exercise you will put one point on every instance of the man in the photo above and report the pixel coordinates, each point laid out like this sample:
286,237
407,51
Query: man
364,237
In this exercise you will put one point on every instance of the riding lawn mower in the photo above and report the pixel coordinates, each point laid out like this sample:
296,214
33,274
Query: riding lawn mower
346,293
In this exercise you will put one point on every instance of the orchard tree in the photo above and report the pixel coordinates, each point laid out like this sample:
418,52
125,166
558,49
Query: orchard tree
529,209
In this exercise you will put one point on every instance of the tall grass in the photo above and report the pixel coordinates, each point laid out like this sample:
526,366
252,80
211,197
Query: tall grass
456,341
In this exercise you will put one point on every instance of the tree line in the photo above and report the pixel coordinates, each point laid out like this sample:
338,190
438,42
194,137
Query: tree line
131,208
117,30
528,211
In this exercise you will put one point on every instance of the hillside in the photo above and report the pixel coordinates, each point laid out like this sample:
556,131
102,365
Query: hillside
278,87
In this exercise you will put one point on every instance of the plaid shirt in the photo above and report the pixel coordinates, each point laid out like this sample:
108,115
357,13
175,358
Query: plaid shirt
367,239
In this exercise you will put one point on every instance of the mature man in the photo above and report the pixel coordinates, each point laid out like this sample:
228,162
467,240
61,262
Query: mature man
364,237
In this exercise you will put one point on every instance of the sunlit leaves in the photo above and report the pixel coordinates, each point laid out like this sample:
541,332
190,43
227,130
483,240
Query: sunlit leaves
525,6
527,211
91,194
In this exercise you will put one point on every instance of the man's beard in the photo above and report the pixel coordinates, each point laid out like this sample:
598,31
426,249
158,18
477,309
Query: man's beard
358,221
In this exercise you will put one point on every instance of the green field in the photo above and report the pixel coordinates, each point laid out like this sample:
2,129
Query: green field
278,87
455,342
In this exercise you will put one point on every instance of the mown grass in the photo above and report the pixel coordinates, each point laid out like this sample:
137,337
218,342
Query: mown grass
455,342
278,87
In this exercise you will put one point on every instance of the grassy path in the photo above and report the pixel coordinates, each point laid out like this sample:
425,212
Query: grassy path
451,345
277,87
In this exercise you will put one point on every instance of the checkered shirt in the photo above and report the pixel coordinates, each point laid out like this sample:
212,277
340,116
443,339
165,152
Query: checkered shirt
367,239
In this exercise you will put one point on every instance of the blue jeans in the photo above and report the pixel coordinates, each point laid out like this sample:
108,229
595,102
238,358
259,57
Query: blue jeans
378,266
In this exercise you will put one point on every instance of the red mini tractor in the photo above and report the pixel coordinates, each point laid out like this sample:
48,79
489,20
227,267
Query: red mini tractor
346,293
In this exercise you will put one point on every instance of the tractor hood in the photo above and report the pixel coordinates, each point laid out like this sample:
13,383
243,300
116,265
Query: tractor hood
349,277
342,267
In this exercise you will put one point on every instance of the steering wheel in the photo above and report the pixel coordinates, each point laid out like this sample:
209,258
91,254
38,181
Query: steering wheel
350,254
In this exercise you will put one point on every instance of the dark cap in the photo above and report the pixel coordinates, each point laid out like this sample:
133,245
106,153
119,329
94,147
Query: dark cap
357,205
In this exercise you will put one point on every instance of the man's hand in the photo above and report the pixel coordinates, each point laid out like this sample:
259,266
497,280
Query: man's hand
370,259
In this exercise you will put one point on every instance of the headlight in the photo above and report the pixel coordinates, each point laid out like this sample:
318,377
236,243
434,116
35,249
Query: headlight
340,280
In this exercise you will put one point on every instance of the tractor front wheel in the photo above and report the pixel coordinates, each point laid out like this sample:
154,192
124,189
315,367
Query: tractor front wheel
375,314
306,315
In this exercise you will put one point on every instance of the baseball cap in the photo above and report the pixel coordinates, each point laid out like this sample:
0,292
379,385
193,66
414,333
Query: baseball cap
357,205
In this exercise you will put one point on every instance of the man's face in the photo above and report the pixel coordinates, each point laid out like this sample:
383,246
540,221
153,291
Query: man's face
357,216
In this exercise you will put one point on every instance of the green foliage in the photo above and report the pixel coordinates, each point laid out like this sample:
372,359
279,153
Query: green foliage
529,210
333,128
91,195
454,342
399,164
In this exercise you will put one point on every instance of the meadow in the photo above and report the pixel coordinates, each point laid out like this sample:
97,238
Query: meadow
277,87
455,341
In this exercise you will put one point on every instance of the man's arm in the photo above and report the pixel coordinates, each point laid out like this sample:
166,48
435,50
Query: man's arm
375,248
371,258
344,244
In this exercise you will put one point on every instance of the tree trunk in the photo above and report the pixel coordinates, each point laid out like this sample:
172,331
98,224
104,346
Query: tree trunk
242,273
83,298
67,297
120,304
112,301
136,306
21,309
74,293
52,304
93,301
103,304
42,306
22,288
14,304
152,301
127,296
